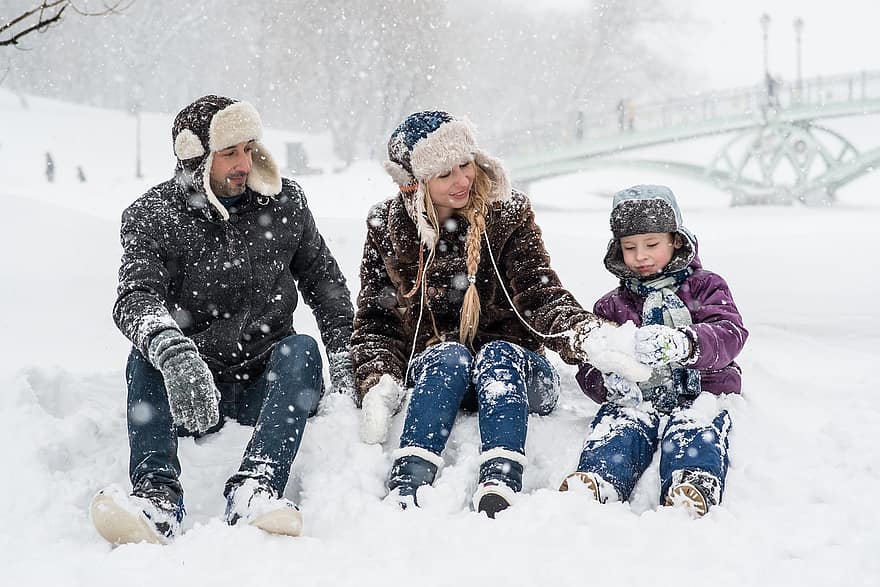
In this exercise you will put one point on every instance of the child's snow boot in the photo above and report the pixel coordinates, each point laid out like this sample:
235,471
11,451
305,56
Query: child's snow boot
590,483
257,505
413,468
152,513
696,491
500,480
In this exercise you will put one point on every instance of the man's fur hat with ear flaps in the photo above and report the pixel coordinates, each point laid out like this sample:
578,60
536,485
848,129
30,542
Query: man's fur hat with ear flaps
211,124
427,144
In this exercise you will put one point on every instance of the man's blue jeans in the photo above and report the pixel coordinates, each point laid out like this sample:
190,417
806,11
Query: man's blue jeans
277,404
504,382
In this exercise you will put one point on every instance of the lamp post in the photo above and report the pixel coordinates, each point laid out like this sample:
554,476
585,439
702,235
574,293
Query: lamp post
137,140
768,82
798,29
765,28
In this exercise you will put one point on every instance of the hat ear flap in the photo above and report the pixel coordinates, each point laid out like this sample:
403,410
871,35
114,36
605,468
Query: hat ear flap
398,173
265,177
417,211
495,170
187,145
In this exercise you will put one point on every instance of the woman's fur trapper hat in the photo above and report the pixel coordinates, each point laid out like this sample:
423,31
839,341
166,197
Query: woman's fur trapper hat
211,124
643,209
427,144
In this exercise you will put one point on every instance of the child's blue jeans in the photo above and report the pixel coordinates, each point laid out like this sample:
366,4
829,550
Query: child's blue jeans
623,440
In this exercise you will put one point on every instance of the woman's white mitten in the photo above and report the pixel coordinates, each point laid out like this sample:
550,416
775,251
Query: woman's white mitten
380,403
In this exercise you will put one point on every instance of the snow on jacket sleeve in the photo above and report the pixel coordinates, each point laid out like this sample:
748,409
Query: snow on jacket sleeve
536,288
377,344
139,311
717,324
608,307
322,285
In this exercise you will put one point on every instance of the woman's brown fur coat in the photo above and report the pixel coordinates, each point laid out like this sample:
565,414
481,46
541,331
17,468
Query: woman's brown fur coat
385,319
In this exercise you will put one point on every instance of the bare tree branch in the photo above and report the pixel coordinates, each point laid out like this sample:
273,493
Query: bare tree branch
109,8
48,13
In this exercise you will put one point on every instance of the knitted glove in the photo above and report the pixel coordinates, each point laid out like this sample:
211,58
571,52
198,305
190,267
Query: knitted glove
610,349
621,390
192,394
341,373
381,402
658,345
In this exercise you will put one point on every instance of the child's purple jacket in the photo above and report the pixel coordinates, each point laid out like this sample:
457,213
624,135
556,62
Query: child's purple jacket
717,331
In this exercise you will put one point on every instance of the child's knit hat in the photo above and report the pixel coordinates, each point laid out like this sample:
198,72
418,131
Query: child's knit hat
644,209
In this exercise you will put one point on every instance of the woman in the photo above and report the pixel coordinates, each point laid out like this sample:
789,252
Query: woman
442,261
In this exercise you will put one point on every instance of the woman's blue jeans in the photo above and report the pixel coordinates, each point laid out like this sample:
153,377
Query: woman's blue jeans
504,382
277,404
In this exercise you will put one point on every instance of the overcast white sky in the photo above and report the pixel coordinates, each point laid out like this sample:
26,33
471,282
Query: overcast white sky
723,41
838,36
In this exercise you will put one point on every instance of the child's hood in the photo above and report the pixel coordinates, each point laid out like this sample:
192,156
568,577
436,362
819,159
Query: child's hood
643,209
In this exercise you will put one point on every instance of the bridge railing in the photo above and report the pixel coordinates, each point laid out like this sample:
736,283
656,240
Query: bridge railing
760,101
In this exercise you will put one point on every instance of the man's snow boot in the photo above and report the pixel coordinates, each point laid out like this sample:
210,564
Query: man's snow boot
696,491
152,513
256,504
413,468
500,480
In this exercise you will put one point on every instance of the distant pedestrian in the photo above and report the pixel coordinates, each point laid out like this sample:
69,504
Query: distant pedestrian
80,174
630,115
50,168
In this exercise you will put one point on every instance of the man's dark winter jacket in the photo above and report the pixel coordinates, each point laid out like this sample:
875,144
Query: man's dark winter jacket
231,285
385,323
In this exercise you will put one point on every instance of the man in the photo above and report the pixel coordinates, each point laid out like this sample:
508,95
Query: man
207,288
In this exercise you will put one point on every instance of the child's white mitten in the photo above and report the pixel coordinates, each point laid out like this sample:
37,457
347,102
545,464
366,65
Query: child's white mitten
658,345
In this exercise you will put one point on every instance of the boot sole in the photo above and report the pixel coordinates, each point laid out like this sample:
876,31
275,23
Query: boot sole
491,504
584,479
286,522
120,525
689,497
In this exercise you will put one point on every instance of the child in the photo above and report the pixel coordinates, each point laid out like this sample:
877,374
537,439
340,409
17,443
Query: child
690,332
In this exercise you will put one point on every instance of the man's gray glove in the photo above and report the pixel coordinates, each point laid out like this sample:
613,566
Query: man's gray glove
192,394
341,373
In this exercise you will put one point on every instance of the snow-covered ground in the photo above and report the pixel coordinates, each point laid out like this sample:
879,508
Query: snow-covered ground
801,505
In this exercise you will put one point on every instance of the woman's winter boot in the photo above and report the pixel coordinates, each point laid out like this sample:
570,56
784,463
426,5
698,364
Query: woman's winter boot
413,467
501,474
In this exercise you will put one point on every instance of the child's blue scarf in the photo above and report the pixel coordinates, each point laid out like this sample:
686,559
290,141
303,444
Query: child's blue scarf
670,385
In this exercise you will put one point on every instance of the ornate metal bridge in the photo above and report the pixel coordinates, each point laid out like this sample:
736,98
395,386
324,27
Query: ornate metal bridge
778,151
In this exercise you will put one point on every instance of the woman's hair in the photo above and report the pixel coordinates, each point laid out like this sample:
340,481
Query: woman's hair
475,214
